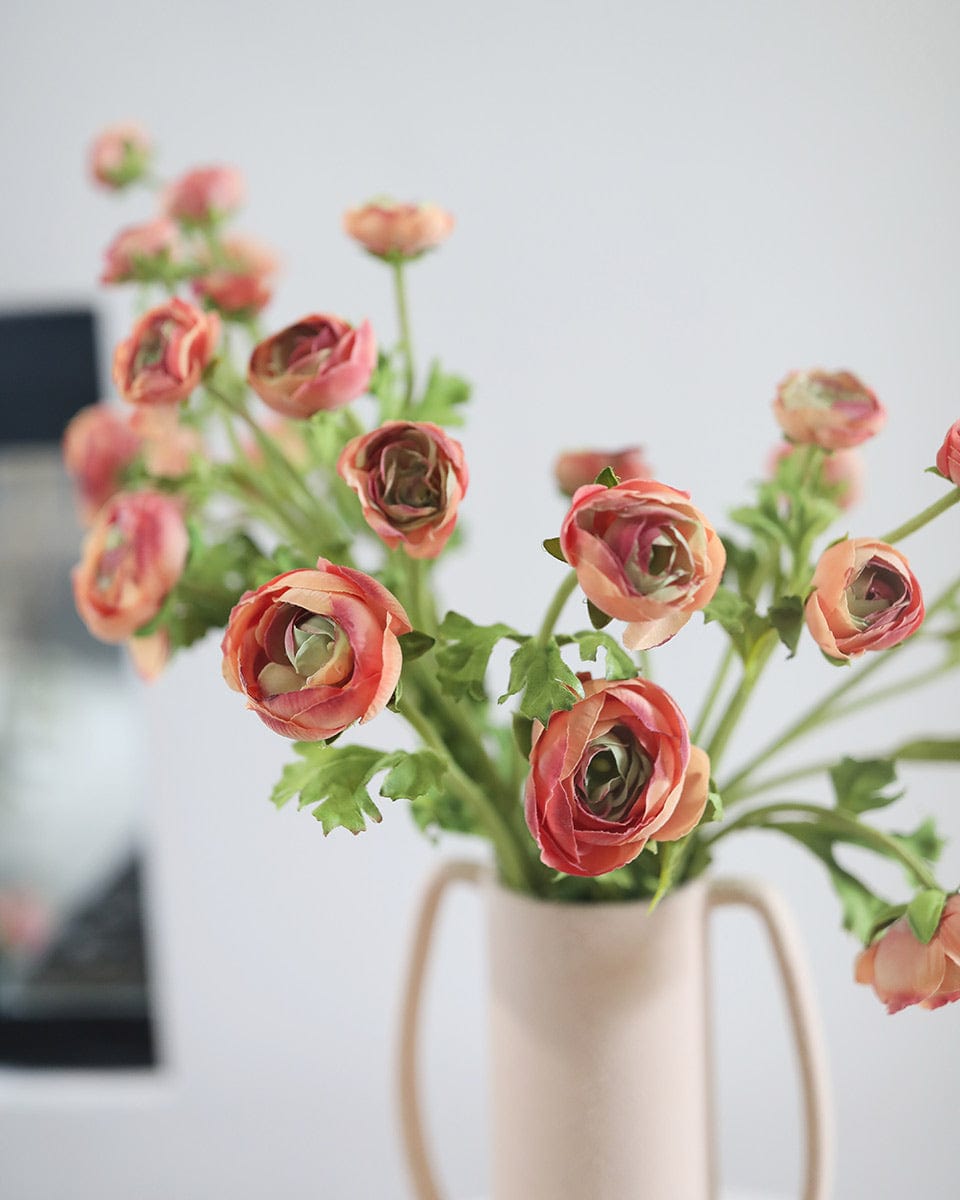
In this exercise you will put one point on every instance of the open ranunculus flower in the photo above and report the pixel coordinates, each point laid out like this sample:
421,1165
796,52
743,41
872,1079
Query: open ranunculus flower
644,554
410,477
315,650
578,468
133,555
389,229
136,249
865,597
98,444
163,359
320,362
831,409
904,971
612,774
204,195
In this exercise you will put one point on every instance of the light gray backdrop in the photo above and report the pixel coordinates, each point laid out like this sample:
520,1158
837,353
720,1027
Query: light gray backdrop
662,208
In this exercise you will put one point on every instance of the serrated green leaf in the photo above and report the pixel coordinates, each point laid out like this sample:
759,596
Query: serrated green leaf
924,841
464,653
765,524
859,784
544,679
598,618
412,775
607,477
739,619
924,912
786,616
415,644
619,664
294,776
443,396
552,547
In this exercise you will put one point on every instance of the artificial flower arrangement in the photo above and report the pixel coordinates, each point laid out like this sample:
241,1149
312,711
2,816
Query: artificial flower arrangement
595,786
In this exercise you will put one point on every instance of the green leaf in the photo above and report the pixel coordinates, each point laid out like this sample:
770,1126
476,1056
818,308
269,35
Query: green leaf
739,618
546,682
715,802
859,784
334,781
924,912
670,859
608,477
598,618
619,664
523,734
924,841
934,471
552,547
464,653
929,750
768,525
860,906
786,616
443,396
415,644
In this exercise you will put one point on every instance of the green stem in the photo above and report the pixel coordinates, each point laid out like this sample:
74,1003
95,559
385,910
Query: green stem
713,695
406,341
510,854
740,698
831,818
922,518
552,615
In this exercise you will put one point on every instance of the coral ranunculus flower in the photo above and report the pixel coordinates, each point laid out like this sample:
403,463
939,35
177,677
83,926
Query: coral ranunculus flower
904,971
643,554
832,409
204,195
320,362
865,597
948,456
315,650
120,155
577,468
98,444
163,359
131,559
410,477
242,283
137,250
392,230
612,774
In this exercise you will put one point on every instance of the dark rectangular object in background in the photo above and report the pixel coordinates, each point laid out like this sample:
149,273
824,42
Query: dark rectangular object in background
49,371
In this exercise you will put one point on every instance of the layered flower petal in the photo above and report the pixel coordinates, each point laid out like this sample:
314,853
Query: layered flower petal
832,409
578,468
948,456
393,230
98,444
164,358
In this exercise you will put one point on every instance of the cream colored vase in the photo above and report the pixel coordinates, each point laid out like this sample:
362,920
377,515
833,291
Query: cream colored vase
600,1044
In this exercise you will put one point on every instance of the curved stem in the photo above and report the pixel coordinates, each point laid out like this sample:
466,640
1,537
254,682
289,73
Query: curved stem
831,818
713,695
738,702
922,518
406,341
510,854
552,615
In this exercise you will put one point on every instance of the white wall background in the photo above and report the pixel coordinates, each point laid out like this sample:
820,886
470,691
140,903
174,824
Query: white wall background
662,207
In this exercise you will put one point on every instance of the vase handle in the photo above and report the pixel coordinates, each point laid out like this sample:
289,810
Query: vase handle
411,1118
807,1037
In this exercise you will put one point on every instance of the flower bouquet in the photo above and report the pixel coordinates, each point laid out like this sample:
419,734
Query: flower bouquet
296,489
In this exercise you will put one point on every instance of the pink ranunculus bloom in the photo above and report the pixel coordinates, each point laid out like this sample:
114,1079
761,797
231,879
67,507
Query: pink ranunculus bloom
98,444
131,559
318,363
204,195
136,251
831,409
410,477
397,231
163,359
120,155
948,456
614,773
904,971
865,597
841,472
315,650
577,468
241,283
643,554
168,446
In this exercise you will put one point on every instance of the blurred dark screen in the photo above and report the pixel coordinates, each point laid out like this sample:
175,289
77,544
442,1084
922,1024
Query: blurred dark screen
48,370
